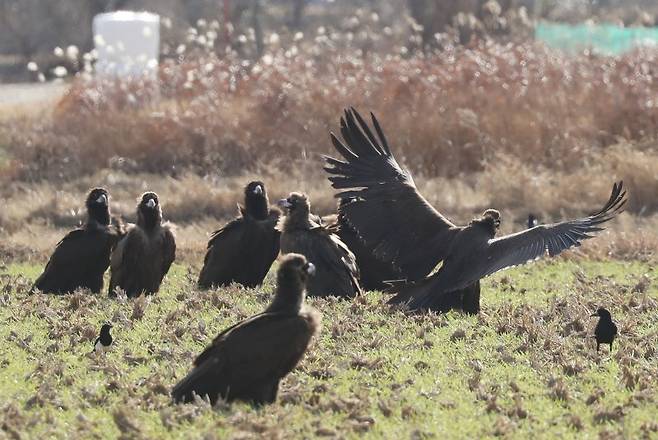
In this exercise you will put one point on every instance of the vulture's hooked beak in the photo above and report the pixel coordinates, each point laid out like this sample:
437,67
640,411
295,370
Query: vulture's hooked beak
310,269
150,204
102,200
284,203
258,190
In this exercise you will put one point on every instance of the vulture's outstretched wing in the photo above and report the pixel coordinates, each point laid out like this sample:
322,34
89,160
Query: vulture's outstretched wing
515,249
388,212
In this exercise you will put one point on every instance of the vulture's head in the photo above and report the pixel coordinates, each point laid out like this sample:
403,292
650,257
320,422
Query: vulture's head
296,205
292,277
98,205
255,199
490,220
602,313
149,213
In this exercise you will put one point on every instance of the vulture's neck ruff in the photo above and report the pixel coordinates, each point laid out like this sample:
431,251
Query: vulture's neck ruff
149,215
297,216
257,205
98,213
291,280
98,207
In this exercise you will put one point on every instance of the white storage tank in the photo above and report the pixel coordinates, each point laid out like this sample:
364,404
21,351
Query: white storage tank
127,42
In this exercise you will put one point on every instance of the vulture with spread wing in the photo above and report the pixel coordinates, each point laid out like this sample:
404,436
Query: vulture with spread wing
247,361
244,249
373,272
83,255
143,257
391,216
337,273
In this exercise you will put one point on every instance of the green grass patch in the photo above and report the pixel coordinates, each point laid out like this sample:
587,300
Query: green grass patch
526,366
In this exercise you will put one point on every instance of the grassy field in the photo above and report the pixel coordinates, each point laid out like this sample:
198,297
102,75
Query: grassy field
527,365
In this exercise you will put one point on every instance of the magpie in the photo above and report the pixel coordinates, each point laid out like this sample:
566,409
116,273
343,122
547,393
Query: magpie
532,221
605,330
104,340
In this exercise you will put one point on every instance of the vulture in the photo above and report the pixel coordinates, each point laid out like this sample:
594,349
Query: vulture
337,272
244,249
402,228
373,272
81,258
143,257
605,330
248,360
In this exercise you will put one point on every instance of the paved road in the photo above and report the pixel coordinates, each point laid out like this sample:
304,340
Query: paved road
30,93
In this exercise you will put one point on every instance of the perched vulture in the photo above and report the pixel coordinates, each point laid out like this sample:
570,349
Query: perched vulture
247,361
391,216
83,255
143,257
337,273
373,272
244,249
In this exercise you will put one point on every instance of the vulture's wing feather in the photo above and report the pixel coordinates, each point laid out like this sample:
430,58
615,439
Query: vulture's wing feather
337,270
81,254
388,212
224,248
169,249
533,243
264,345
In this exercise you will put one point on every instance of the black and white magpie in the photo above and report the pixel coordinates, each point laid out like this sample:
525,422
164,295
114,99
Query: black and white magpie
104,340
605,330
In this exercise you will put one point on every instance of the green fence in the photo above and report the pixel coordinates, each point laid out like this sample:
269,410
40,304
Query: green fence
602,38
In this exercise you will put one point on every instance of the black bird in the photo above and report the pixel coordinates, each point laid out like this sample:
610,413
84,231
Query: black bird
605,330
248,360
104,340
532,221
391,216
373,272
244,249
337,272
81,258
143,257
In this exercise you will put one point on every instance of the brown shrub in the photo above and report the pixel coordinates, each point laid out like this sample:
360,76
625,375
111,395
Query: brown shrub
447,113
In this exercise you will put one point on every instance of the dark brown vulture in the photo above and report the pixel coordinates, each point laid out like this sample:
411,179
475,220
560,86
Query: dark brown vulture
83,255
143,257
247,361
373,272
244,249
337,273
392,217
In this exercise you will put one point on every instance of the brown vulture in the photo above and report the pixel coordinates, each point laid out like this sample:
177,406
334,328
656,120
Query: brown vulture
81,258
337,273
143,257
248,360
391,216
373,272
244,249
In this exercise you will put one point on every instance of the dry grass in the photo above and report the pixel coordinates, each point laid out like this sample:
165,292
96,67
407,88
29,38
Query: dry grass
448,113
35,216
518,128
